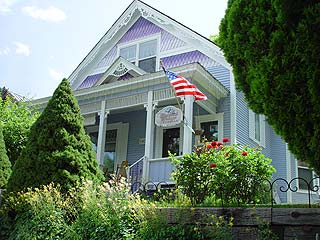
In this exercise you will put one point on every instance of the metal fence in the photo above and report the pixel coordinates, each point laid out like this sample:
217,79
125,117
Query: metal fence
272,188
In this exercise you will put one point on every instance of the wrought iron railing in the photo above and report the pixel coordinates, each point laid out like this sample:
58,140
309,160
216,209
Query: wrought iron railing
273,188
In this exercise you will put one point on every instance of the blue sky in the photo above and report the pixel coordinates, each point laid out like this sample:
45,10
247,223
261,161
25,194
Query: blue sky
42,41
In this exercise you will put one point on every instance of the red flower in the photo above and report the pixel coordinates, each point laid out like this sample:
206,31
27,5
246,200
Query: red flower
219,144
209,146
214,143
213,165
244,153
225,140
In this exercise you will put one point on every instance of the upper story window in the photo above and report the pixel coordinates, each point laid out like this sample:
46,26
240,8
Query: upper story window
142,54
257,128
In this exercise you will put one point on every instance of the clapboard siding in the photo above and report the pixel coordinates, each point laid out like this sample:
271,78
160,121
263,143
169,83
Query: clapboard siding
137,126
224,107
220,73
278,156
242,121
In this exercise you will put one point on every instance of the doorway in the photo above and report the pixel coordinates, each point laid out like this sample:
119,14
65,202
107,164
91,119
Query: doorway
171,142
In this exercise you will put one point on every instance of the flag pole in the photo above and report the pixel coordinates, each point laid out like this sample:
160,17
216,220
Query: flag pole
176,97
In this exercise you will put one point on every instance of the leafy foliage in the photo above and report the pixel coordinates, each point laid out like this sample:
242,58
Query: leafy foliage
274,49
58,149
17,119
5,165
93,211
231,174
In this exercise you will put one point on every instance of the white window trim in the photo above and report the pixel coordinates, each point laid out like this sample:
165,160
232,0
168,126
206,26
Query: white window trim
137,43
209,118
262,141
122,139
305,191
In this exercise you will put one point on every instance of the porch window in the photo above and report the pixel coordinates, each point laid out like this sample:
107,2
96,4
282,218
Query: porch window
257,128
306,173
210,130
142,54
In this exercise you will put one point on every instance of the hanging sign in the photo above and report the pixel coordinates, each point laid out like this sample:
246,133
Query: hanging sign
168,116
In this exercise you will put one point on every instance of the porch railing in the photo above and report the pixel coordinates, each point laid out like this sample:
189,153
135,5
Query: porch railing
134,174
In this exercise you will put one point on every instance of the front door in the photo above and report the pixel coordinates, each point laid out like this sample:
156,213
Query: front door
110,154
171,142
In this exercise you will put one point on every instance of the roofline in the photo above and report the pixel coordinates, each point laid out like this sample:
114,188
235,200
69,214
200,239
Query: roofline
179,23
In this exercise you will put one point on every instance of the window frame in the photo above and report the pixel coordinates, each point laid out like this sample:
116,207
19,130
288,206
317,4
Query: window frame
252,128
302,190
210,118
137,43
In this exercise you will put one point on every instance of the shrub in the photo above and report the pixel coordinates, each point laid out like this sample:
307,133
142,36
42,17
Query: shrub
5,165
230,173
108,212
17,119
58,149
35,214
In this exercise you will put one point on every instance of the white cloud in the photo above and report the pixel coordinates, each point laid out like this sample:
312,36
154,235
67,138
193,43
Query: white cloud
4,51
5,6
57,76
22,48
51,14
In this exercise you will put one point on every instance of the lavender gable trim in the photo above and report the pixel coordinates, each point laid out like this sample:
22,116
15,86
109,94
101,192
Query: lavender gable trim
90,81
186,58
141,28
218,71
108,59
168,41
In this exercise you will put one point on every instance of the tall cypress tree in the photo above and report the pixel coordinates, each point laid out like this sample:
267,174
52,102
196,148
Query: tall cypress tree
58,149
274,49
5,164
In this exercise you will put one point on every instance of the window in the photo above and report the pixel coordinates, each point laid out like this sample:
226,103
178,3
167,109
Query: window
142,54
210,130
305,173
211,126
257,128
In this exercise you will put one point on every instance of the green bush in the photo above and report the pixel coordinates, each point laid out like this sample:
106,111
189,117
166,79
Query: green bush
35,214
58,149
5,165
98,212
17,119
231,174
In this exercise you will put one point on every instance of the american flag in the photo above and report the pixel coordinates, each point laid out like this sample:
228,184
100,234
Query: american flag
183,87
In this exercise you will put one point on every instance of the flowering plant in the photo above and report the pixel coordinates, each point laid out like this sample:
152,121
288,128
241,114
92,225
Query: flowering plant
231,173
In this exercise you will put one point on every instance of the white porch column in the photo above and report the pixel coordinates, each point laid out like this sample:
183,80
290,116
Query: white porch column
102,133
148,137
187,131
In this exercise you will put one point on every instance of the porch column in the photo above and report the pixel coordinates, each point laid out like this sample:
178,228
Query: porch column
102,133
187,127
148,149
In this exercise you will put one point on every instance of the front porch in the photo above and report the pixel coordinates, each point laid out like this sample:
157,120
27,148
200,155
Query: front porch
119,116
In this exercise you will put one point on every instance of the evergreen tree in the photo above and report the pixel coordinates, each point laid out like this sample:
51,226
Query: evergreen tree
274,49
58,149
5,165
